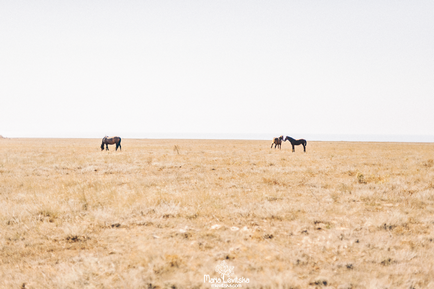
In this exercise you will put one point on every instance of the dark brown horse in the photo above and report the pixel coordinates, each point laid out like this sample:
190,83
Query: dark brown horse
296,142
277,142
111,140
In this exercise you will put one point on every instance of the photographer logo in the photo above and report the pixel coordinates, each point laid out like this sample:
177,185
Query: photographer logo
226,280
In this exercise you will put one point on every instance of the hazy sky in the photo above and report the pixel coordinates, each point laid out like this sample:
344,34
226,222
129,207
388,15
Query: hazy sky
94,68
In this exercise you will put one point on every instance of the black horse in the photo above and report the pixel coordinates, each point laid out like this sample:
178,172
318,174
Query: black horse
111,140
296,142
277,142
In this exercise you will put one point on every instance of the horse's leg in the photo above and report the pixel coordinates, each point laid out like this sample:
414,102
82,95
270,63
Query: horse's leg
304,147
106,147
293,149
117,145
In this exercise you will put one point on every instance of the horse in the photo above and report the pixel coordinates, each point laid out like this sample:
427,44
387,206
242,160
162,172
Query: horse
277,142
111,140
296,142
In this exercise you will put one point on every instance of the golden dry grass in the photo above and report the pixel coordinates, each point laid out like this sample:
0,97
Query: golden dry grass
163,213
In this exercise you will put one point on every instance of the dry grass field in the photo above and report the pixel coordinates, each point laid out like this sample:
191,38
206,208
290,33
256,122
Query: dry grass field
164,213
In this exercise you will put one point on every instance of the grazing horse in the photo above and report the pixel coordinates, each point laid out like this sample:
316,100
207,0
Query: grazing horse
111,140
277,142
296,142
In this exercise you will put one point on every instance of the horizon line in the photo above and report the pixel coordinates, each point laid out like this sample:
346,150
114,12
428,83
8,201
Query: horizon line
246,136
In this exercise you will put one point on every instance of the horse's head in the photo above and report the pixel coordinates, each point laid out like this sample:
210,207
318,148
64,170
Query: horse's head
102,146
290,139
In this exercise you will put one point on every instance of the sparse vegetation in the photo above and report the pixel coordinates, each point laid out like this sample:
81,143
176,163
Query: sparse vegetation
176,149
342,215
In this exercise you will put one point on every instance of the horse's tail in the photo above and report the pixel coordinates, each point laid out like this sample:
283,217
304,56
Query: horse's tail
305,142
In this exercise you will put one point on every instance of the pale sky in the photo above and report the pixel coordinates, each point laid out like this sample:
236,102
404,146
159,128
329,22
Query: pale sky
94,68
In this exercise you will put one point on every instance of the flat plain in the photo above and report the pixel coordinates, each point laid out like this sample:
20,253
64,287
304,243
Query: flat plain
165,213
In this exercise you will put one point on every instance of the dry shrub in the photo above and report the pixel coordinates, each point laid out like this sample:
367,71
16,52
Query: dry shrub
49,215
361,178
